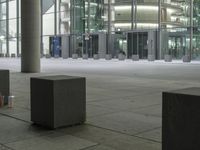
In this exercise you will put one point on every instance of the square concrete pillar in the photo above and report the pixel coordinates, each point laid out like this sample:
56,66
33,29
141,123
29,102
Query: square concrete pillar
181,119
58,101
5,82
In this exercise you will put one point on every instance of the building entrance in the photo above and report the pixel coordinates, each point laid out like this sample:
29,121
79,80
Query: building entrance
137,44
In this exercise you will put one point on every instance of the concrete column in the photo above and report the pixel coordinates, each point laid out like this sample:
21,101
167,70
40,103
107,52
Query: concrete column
7,29
159,30
132,14
17,22
30,30
109,27
191,29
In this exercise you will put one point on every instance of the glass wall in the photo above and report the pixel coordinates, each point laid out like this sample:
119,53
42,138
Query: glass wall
135,27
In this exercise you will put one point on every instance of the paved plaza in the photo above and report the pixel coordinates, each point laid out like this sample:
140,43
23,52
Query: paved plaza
124,104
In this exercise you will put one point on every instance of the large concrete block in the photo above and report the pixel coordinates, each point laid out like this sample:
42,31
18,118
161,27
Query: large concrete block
5,82
58,101
181,120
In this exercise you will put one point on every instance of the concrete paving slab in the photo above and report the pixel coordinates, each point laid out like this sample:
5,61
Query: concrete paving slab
126,122
52,142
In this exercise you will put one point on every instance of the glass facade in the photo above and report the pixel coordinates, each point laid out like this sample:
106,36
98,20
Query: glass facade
139,28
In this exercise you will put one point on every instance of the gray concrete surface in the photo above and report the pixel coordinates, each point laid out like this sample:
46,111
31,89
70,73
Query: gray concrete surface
124,101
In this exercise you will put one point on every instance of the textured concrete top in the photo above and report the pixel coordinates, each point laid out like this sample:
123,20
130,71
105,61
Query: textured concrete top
195,91
57,77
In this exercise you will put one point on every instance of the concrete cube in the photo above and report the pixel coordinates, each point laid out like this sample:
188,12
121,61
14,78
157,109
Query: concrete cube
168,58
151,58
96,56
74,56
58,101
85,56
5,82
108,57
135,57
181,119
186,58
121,57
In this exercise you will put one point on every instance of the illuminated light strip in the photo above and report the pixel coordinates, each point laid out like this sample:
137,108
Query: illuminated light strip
138,7
141,7
138,24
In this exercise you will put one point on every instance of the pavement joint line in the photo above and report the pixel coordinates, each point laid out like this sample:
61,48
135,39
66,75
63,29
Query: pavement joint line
90,146
6,147
147,131
14,118
126,110
147,139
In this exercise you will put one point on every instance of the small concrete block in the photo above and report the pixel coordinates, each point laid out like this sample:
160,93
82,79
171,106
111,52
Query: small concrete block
7,55
186,58
48,56
12,55
85,56
151,57
58,101
168,58
135,57
96,56
108,56
121,57
74,56
181,119
5,82
2,55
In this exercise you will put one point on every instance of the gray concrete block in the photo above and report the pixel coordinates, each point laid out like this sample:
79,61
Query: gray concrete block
2,55
168,58
58,101
74,56
85,56
135,57
121,57
7,55
108,57
4,82
151,58
48,56
13,55
186,58
96,56
181,119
